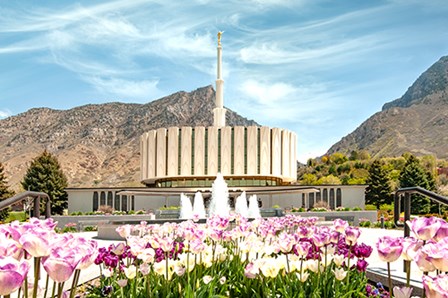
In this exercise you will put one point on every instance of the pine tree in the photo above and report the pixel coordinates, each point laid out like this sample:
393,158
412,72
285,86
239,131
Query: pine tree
4,193
45,175
379,191
412,175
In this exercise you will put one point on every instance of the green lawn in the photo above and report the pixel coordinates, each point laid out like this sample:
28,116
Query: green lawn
16,215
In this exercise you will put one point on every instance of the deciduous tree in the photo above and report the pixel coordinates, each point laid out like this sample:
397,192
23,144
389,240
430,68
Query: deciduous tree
4,192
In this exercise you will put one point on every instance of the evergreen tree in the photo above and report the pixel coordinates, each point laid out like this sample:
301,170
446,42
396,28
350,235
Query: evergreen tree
412,175
5,193
379,191
45,175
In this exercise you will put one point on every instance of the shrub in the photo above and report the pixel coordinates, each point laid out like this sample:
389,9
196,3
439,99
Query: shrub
91,228
357,208
370,207
140,212
106,209
365,223
69,228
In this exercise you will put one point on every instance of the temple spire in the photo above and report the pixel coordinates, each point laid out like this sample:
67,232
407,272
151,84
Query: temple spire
219,112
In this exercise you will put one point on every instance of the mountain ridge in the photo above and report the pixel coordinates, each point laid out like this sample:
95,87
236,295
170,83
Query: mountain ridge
98,144
417,122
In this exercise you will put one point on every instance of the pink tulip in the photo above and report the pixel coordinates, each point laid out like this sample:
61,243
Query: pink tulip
351,235
12,274
403,292
435,287
424,228
437,254
37,242
124,231
423,262
389,248
340,225
60,264
442,232
411,247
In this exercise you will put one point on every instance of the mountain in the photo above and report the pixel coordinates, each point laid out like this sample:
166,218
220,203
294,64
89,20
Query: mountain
417,122
98,145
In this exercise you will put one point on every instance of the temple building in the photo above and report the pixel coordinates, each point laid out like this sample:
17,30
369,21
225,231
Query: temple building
175,160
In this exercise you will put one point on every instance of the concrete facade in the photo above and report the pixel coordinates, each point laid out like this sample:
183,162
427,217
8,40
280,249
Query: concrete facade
196,153
89,199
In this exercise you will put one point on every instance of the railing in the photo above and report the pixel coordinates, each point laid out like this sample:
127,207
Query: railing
408,191
29,194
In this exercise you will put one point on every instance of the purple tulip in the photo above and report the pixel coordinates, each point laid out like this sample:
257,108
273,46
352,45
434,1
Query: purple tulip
12,274
361,265
424,228
389,248
362,250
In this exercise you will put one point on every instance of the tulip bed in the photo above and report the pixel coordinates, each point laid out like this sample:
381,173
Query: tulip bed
429,250
226,257
275,257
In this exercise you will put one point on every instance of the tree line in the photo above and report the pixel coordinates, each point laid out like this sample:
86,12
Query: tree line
382,175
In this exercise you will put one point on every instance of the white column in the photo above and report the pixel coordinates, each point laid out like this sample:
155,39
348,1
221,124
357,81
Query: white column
219,112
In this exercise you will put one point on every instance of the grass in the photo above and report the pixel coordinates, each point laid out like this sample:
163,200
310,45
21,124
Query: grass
16,215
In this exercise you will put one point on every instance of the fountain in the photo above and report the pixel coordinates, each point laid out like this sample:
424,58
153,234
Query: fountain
219,204
254,210
198,205
241,205
186,209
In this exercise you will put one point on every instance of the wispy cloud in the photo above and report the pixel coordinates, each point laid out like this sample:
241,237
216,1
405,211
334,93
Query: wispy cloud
5,113
126,89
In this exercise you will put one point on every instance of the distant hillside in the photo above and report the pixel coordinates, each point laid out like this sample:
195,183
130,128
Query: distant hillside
98,145
417,122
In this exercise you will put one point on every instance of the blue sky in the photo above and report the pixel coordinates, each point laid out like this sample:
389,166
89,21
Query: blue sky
319,68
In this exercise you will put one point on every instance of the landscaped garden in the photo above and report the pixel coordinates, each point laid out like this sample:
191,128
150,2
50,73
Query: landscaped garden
226,257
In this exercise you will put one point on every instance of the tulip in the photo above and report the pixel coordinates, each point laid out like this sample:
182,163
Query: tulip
340,273
12,274
442,232
251,270
411,247
207,279
435,287
389,248
37,243
340,225
122,283
403,292
351,235
424,228
60,264
423,262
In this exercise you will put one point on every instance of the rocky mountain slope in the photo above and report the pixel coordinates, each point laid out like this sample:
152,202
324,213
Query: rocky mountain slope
417,122
98,145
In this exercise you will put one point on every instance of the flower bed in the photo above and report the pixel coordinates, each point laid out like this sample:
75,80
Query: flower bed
429,250
287,257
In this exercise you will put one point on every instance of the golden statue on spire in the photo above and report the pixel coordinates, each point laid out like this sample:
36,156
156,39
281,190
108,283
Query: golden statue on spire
219,37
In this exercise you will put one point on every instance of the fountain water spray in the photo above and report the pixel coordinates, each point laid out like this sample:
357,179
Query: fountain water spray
254,210
198,205
186,209
241,205
219,204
